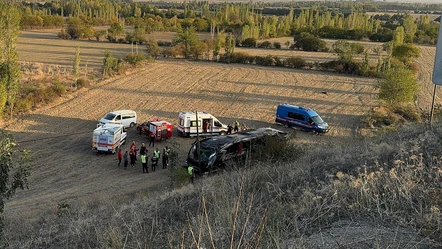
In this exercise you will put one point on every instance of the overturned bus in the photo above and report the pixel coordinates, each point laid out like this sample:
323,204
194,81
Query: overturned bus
229,150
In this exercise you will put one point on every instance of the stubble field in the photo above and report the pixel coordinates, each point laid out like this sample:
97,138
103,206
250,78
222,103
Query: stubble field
66,170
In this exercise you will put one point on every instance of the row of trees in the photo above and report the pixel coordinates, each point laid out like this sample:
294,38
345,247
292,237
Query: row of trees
242,20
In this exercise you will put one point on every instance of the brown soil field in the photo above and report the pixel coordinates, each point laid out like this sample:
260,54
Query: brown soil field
65,169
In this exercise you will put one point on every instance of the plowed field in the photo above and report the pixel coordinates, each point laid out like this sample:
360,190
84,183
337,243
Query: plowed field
65,169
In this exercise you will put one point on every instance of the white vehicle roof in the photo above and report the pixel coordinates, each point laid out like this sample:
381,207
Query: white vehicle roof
121,111
111,128
193,113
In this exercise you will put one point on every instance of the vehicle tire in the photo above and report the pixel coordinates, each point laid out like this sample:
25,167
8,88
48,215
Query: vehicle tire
132,124
286,125
222,133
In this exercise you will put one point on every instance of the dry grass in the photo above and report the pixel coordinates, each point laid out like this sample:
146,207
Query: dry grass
381,193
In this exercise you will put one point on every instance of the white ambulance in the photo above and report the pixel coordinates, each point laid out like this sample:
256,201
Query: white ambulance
207,124
108,138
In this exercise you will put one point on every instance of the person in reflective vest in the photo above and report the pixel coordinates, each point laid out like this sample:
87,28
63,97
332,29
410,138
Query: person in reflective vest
144,163
190,171
155,158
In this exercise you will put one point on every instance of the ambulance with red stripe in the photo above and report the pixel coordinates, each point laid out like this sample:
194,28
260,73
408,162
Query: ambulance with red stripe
206,125
108,138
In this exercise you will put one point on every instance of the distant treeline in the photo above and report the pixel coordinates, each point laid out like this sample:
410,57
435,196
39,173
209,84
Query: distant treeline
338,20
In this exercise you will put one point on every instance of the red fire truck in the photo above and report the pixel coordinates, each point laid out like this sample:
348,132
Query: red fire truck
161,129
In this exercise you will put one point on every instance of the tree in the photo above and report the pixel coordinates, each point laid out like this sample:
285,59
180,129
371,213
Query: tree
187,37
114,30
9,68
230,45
152,48
75,26
406,52
77,65
346,50
398,85
14,171
311,44
398,36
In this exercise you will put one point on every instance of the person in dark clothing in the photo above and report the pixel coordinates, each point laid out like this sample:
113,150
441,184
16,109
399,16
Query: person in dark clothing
143,149
126,160
236,126
166,152
133,157
119,156
152,139
229,129
155,159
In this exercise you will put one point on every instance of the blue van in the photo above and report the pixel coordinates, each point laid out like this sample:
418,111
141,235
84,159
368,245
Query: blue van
301,117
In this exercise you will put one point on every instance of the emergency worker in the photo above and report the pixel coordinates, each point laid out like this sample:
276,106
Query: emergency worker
190,172
166,152
152,139
144,163
236,126
155,158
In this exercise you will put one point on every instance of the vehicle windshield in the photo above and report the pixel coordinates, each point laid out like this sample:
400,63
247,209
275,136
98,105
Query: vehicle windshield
109,116
317,120
205,153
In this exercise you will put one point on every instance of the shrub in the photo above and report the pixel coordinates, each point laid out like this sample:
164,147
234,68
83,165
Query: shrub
311,44
58,88
295,62
82,82
164,43
265,61
398,86
240,57
265,44
249,42
277,45
408,111
135,59
63,35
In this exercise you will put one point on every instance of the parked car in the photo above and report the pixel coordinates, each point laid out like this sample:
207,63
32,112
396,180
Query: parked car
127,118
301,117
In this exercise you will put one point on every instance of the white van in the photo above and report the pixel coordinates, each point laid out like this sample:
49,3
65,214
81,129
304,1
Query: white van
207,124
127,118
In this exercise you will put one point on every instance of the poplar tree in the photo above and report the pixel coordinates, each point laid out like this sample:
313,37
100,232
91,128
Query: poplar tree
10,72
77,65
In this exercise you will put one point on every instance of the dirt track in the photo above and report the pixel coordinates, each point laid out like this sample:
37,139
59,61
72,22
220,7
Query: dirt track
65,168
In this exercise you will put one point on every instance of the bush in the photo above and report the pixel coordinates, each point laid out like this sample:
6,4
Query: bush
58,88
265,61
135,59
82,82
265,44
295,62
398,86
342,66
164,43
63,35
311,44
249,42
240,57
277,45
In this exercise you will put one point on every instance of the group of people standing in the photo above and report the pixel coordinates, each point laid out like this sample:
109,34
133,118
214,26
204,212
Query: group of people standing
132,156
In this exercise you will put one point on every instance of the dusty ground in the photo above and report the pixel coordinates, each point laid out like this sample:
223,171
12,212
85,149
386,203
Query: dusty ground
66,170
